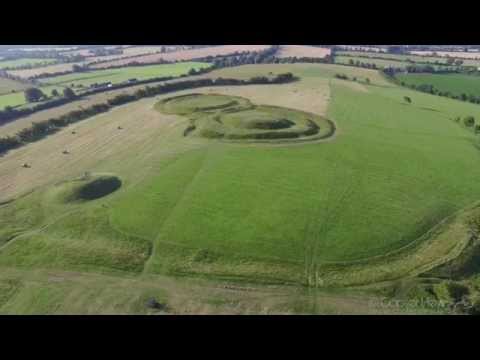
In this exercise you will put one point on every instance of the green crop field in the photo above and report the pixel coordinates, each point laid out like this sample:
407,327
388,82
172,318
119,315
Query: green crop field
133,203
18,98
22,62
456,84
124,74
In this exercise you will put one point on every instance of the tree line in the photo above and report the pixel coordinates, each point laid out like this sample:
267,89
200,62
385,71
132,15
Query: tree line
39,130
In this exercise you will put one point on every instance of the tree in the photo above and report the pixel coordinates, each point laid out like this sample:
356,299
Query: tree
77,68
407,99
68,93
469,121
34,95
55,93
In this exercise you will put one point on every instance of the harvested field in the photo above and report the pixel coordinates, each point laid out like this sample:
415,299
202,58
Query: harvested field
8,86
302,51
28,73
185,55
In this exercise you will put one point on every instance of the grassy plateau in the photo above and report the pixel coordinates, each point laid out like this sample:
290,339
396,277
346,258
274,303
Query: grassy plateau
135,202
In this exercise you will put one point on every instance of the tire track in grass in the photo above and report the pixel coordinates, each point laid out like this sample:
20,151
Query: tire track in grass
180,198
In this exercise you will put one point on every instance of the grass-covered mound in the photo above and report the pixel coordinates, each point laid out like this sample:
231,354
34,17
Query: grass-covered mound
89,188
235,118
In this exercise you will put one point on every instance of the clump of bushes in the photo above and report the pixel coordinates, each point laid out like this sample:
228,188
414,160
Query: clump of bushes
341,76
469,121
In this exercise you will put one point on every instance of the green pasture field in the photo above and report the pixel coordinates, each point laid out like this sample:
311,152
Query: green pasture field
363,206
124,74
456,84
18,98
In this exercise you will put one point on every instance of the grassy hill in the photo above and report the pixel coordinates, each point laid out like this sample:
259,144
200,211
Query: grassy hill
363,206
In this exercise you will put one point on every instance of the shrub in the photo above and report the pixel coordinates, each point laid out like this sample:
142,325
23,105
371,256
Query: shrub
469,121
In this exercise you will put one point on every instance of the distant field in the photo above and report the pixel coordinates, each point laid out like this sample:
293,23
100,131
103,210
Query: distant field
363,48
27,73
393,56
456,84
302,51
183,55
8,85
124,74
455,54
23,62
380,63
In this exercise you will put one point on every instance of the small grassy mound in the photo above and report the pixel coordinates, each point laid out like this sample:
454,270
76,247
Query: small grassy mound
90,188
237,119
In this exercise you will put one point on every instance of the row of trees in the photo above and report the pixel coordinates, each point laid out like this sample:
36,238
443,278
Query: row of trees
448,62
35,94
41,129
345,77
